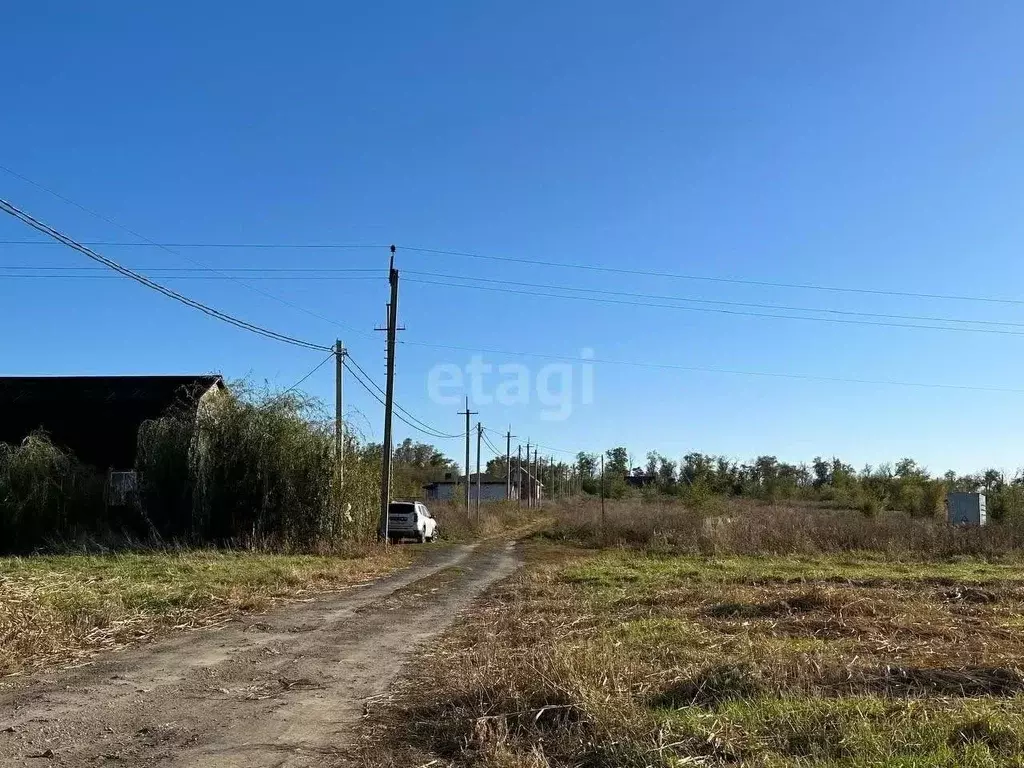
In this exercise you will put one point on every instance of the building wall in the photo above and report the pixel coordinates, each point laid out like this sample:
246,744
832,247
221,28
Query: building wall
452,491
966,508
488,492
442,492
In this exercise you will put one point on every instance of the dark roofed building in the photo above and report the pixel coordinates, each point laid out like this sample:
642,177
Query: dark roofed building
97,418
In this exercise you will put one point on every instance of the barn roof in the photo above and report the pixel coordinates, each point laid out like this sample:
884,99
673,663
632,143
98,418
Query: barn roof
95,417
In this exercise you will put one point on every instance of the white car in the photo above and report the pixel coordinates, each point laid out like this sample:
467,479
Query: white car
410,520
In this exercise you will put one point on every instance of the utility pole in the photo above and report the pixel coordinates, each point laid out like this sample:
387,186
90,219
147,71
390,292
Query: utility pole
479,437
389,399
537,476
468,413
339,401
529,482
554,480
519,468
508,463
602,499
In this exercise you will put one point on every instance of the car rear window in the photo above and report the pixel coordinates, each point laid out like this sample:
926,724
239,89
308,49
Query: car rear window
400,509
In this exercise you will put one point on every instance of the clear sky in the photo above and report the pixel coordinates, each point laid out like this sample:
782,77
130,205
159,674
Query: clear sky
870,145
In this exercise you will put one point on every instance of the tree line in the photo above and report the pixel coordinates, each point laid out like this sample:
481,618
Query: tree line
904,486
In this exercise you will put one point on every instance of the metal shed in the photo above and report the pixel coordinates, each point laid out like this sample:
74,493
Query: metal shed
965,508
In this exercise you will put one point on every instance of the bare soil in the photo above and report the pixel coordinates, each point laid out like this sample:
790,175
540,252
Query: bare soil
284,689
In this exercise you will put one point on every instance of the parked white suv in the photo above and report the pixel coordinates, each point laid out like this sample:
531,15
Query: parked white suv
410,520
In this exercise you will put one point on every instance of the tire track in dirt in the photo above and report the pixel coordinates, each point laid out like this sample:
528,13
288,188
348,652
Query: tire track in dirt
281,690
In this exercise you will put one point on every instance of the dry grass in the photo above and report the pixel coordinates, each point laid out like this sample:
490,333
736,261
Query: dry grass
494,518
57,609
744,526
626,658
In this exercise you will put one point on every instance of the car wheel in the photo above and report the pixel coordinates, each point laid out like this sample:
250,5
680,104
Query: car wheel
422,537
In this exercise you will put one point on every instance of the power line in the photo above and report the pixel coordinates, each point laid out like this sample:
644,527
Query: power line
328,273
423,427
370,390
742,313
194,277
490,445
247,246
133,233
261,270
543,263
110,263
705,278
556,450
700,369
302,381
400,408
692,300
548,447
39,226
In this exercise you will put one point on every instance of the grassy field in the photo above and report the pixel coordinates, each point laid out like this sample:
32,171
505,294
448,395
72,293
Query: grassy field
625,656
55,609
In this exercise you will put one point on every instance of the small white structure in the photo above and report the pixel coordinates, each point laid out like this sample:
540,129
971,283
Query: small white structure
965,508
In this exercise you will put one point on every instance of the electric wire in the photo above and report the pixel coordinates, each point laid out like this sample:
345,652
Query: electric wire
704,369
483,434
468,281
743,313
81,247
9,208
247,246
427,427
692,300
302,381
260,270
133,233
538,262
20,276
39,226
539,445
369,389
713,279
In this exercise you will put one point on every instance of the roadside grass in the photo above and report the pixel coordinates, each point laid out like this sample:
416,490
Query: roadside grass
55,609
495,518
605,658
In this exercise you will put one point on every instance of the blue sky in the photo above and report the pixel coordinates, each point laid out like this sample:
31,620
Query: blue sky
869,145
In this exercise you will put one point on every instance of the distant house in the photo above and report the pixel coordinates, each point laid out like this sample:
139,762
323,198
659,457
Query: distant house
491,488
641,481
97,418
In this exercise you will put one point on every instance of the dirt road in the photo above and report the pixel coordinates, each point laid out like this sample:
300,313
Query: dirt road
282,689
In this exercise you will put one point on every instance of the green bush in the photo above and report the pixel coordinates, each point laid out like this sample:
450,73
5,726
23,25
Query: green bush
870,506
251,468
46,495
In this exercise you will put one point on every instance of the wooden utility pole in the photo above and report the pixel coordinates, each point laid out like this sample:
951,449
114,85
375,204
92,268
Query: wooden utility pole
602,499
537,477
519,468
339,415
508,463
389,399
468,413
529,476
479,437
